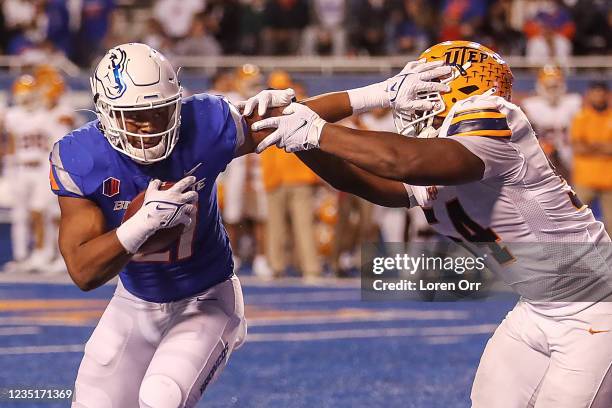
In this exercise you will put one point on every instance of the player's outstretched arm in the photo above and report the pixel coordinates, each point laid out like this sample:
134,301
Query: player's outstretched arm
389,155
410,160
332,107
93,255
346,177
399,92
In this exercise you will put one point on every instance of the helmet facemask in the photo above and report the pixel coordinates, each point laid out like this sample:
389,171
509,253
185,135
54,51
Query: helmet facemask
115,122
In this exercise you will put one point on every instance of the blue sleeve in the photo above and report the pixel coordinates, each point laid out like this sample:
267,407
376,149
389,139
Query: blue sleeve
225,129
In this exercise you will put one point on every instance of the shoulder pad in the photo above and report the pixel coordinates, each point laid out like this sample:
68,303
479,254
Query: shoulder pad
79,161
206,109
478,116
213,127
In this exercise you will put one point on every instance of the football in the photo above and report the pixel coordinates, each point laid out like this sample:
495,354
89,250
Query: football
162,238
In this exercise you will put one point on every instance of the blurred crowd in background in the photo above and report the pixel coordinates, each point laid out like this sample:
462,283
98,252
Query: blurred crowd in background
280,217
82,29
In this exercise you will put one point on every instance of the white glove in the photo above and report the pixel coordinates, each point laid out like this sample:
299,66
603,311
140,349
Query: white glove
298,129
400,92
160,209
267,99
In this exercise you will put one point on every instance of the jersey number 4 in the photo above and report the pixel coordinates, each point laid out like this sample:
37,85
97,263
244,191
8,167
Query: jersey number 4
473,232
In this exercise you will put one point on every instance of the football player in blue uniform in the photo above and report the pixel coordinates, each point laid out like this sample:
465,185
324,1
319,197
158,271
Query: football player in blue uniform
176,314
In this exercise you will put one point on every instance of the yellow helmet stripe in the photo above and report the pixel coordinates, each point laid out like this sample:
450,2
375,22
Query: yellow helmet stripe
492,133
478,115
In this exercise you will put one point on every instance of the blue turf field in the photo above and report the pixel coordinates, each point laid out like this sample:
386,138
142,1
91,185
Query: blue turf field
307,346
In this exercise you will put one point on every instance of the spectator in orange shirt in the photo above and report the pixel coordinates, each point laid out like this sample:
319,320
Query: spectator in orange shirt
592,142
290,187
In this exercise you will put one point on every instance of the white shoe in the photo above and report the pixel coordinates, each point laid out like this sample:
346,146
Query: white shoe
14,267
346,260
261,268
56,267
38,261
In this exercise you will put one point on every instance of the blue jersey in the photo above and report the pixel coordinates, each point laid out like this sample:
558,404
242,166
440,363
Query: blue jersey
85,165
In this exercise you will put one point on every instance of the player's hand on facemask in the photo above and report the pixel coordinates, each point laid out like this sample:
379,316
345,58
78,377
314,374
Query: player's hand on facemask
160,209
401,91
415,78
267,99
298,129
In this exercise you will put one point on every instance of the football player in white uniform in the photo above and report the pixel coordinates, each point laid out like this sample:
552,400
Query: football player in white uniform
478,171
25,126
550,112
59,119
243,174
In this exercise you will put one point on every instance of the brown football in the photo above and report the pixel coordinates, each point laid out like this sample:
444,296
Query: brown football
254,117
162,238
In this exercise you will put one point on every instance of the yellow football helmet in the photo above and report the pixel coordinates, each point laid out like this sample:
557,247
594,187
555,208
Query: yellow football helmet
279,79
249,80
476,70
25,90
51,83
551,82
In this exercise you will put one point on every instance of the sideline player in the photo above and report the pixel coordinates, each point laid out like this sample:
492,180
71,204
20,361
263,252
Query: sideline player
478,171
58,119
244,196
551,112
176,314
28,168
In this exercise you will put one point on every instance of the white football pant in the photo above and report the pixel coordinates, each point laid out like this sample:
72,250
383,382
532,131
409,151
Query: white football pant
31,193
535,360
160,355
234,179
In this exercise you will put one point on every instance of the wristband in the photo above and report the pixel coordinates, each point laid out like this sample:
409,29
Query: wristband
314,135
132,235
369,97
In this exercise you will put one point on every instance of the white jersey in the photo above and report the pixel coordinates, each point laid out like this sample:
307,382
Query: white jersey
552,122
59,121
525,217
27,130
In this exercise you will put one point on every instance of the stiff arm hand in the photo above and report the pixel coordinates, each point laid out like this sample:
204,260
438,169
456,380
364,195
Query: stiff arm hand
269,98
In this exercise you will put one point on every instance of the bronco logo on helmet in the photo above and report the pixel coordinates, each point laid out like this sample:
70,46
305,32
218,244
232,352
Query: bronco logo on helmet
112,80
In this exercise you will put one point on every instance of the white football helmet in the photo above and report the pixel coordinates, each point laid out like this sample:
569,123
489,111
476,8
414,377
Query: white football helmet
135,77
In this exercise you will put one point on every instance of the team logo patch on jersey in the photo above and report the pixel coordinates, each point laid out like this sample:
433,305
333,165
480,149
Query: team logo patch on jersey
110,187
112,76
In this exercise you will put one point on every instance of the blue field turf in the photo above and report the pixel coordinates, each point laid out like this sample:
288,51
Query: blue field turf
308,347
